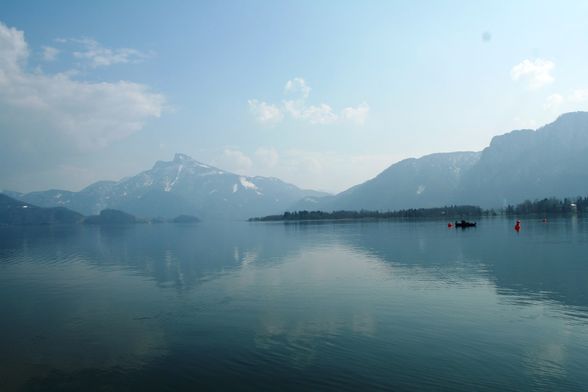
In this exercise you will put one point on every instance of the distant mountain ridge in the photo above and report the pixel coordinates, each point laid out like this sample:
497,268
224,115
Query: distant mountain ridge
523,164
16,212
527,164
412,183
519,165
182,186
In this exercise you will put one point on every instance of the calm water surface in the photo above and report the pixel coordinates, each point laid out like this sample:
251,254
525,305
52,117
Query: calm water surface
329,306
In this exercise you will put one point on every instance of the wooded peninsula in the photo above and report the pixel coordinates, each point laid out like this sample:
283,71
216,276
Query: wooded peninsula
547,206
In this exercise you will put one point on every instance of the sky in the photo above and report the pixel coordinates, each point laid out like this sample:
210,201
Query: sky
321,94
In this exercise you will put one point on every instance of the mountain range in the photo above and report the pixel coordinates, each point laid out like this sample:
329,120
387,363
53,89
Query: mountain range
523,164
181,186
519,165
16,212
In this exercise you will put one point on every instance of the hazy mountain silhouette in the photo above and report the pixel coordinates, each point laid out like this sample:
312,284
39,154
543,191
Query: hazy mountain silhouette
16,212
519,165
430,181
181,186
526,164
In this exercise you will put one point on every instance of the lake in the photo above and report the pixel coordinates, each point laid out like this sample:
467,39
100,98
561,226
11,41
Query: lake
295,306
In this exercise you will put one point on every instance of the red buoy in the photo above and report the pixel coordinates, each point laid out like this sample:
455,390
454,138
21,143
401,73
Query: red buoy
517,226
450,225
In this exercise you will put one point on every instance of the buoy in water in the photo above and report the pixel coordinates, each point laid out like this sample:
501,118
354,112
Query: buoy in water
450,225
517,226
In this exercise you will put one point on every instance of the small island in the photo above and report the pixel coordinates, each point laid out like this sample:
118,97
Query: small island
17,213
111,217
185,219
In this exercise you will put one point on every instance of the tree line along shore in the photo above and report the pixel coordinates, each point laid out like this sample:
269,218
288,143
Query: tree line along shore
543,207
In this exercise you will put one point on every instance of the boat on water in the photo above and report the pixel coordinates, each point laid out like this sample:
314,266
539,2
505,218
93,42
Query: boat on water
464,224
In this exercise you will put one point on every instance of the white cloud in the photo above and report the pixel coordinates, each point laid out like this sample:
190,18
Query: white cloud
536,73
553,102
321,114
329,171
50,53
299,109
263,161
264,112
83,115
267,156
99,56
294,108
297,86
525,123
574,100
325,170
356,114
13,51
234,160
578,96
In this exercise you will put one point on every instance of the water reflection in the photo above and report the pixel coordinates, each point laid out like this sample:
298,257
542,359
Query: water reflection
173,255
385,305
545,261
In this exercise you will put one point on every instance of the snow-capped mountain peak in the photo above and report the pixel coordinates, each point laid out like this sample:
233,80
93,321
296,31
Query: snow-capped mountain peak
181,186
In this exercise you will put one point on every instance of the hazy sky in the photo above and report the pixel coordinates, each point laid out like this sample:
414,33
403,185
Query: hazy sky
322,94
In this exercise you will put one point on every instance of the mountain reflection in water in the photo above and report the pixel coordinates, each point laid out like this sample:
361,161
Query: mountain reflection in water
249,306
